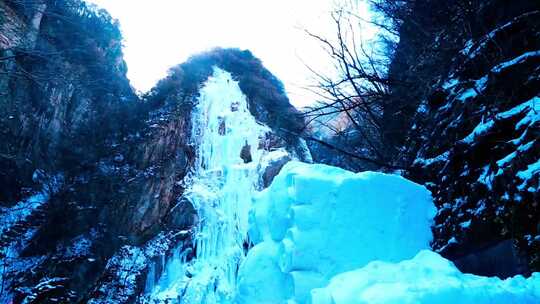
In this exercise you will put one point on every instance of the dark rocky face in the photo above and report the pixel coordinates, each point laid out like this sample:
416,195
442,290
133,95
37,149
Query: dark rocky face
477,140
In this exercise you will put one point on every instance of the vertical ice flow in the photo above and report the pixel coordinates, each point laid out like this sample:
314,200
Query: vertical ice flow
221,189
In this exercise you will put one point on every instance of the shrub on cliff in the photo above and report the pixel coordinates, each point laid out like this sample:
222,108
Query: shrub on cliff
266,95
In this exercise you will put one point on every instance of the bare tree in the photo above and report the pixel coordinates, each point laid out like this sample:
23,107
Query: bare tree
359,89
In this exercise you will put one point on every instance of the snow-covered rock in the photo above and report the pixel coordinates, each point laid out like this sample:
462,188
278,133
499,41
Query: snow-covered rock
480,154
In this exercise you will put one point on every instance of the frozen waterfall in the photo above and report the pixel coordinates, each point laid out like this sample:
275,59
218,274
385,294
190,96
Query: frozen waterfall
228,141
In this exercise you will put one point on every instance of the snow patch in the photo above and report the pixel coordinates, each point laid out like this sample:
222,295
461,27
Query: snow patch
523,57
531,107
21,211
426,162
525,175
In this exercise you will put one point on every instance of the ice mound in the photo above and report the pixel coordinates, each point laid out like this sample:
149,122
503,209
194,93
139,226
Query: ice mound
428,278
316,221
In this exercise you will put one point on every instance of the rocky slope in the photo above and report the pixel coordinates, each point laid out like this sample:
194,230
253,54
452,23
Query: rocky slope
68,158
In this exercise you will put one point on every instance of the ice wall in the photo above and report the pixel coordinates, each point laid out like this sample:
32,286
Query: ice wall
316,221
229,149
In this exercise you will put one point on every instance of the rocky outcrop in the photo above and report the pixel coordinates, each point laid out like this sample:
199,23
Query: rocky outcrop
271,168
501,259
480,147
70,115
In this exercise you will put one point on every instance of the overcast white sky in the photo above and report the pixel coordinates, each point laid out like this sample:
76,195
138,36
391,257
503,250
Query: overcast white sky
159,34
